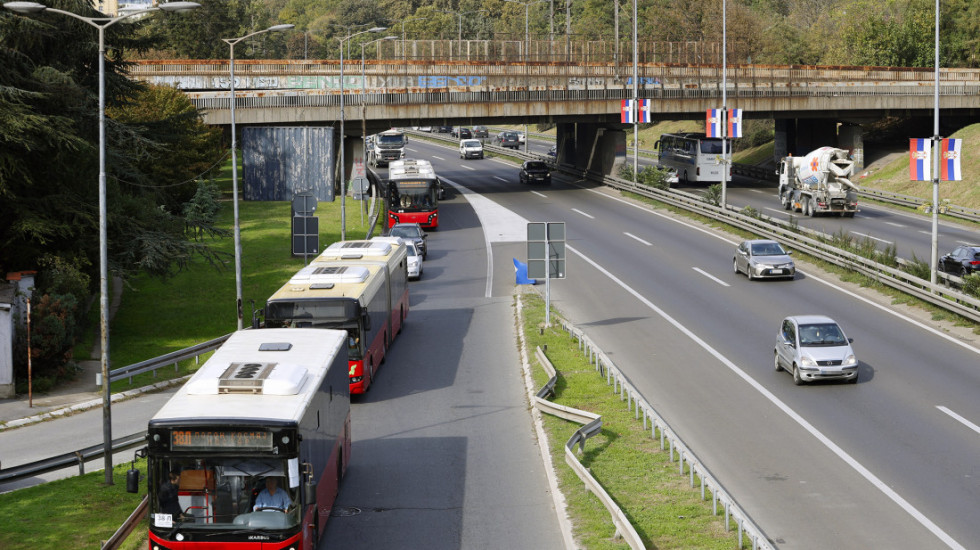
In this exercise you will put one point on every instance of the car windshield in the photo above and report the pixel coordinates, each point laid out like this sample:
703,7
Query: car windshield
767,249
824,334
412,251
471,143
406,231
535,166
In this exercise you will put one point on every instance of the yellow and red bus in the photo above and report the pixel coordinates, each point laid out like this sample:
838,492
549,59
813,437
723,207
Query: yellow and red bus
270,404
413,193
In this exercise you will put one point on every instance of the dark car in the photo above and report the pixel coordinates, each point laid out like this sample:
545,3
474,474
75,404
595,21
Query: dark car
507,139
963,260
535,171
411,232
445,129
481,132
464,133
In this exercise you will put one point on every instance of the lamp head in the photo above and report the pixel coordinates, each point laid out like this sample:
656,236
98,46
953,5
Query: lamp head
283,27
178,7
378,29
25,8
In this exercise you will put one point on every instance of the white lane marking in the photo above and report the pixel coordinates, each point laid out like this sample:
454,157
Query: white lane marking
925,232
590,216
712,277
758,191
411,149
965,242
834,448
962,420
775,210
866,236
893,224
467,167
436,157
632,236
502,179
542,195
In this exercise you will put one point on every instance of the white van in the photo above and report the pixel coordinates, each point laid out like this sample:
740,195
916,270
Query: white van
470,149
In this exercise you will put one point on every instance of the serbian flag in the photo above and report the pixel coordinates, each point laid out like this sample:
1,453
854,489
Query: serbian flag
920,160
734,123
644,114
712,127
626,111
949,162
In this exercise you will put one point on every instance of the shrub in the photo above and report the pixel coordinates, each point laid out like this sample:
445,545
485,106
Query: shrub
971,285
53,329
713,194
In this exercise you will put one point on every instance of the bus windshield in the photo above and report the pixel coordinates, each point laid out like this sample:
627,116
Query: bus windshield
225,493
415,196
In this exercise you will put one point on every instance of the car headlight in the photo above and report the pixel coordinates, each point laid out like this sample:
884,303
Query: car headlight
850,361
807,362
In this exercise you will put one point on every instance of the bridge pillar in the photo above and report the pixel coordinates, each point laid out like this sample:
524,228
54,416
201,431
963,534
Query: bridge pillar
353,150
812,133
592,147
851,137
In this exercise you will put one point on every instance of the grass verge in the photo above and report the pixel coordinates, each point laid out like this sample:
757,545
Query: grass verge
657,499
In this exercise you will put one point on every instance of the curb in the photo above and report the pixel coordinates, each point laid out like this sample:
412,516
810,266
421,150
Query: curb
91,404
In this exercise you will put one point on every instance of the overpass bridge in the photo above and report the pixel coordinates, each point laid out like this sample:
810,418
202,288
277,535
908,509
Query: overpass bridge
812,105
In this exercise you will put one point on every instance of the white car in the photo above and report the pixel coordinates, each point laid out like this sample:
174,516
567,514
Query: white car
470,149
814,347
521,137
414,261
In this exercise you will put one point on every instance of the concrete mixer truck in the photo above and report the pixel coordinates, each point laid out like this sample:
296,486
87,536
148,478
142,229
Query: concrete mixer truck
818,183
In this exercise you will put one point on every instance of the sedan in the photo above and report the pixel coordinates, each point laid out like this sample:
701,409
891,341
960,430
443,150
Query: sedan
962,261
814,347
411,232
762,258
414,261
481,132
535,171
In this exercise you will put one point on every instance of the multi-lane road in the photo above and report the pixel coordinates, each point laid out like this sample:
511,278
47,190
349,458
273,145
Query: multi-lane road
888,463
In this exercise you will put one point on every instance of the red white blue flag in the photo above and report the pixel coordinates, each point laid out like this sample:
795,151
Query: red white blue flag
712,126
949,162
626,111
644,112
920,160
734,123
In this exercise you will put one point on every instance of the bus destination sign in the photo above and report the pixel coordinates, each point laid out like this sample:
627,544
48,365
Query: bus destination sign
253,440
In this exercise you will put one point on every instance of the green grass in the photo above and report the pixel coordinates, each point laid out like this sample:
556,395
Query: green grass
658,500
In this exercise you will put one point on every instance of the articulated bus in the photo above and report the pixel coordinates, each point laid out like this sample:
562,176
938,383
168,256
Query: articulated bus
340,295
696,158
413,193
271,406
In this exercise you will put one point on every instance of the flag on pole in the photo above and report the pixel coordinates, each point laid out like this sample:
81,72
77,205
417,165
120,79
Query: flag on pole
920,161
734,123
644,114
949,162
712,126
626,111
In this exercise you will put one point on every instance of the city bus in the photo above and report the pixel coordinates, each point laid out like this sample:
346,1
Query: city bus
696,158
270,404
413,193
392,253
340,295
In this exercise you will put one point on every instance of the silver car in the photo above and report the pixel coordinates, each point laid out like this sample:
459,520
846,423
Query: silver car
762,258
414,261
814,347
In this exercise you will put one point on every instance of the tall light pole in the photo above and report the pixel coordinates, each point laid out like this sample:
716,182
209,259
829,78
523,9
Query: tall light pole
234,163
527,34
459,16
101,23
636,101
936,148
403,29
725,157
343,177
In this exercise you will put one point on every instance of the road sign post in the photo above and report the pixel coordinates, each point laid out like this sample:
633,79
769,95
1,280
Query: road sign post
546,257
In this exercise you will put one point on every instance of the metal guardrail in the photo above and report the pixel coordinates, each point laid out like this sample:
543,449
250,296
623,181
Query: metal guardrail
592,425
669,440
128,526
79,457
172,358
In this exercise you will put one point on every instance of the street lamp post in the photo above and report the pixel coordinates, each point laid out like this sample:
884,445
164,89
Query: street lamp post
101,23
343,177
234,164
527,34
459,16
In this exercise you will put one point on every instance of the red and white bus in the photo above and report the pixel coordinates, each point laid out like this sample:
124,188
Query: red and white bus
413,193
351,294
270,404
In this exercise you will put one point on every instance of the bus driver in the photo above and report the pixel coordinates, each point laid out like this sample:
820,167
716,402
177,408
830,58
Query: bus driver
272,498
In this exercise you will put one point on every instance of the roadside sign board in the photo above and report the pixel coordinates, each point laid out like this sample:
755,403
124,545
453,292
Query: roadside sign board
546,250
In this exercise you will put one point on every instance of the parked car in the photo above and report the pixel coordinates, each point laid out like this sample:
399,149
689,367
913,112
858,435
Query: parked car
535,171
963,260
762,258
507,138
814,347
411,232
481,132
414,261
470,149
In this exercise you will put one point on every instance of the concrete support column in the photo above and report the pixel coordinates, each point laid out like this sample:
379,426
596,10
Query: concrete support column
784,139
851,137
593,147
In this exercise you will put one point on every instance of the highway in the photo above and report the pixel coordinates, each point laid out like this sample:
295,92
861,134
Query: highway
887,463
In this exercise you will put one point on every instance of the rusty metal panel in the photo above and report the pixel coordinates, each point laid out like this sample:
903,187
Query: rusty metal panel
282,161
